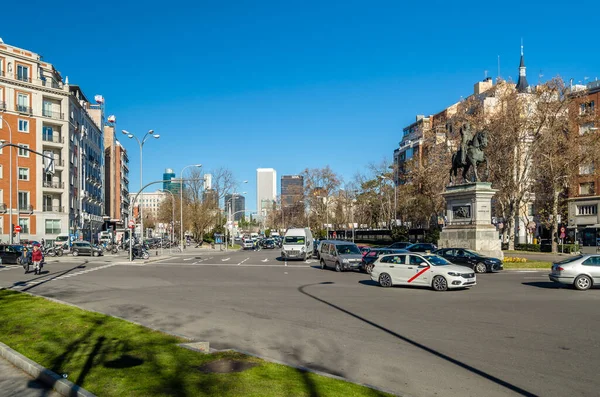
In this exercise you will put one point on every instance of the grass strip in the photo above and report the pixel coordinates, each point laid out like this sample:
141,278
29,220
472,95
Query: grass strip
527,265
113,357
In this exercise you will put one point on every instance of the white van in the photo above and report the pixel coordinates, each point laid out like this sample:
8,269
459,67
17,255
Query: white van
297,244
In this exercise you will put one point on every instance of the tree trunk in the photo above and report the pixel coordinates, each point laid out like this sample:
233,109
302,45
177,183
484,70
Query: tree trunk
512,213
554,229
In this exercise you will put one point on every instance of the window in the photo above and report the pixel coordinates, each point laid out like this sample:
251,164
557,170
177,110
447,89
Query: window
22,72
592,261
586,108
586,169
530,210
23,200
23,174
22,102
24,223
587,209
587,188
1,175
23,125
23,152
416,260
47,133
52,226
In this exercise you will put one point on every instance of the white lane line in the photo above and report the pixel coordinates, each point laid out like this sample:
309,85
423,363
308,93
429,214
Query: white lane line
188,259
243,261
225,260
195,263
84,272
8,267
265,260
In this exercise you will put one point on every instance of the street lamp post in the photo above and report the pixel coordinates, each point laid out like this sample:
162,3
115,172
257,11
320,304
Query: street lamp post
181,201
229,210
148,134
172,237
10,175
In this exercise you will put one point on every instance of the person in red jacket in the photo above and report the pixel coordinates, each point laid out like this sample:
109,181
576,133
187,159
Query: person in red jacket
37,257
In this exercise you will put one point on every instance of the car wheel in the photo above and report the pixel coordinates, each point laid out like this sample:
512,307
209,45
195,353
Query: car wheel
439,283
338,267
480,268
385,280
145,255
304,258
59,252
95,253
369,268
323,266
75,253
582,283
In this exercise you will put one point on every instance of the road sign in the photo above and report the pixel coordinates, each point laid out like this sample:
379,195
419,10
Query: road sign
563,230
18,229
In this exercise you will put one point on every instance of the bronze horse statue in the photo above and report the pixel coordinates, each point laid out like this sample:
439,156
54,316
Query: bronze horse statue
475,156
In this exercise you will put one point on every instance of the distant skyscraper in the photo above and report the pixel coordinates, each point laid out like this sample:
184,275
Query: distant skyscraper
173,185
238,204
207,181
210,196
266,189
292,189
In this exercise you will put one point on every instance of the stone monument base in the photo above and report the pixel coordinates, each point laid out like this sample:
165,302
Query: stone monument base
468,210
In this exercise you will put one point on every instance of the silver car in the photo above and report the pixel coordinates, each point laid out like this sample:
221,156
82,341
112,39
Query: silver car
582,271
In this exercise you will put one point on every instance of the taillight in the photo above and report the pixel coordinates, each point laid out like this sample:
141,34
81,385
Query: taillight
559,269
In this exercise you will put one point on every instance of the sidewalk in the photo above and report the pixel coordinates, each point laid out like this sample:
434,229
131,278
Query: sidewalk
15,382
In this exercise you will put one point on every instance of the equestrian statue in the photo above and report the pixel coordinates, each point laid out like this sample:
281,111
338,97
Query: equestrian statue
470,154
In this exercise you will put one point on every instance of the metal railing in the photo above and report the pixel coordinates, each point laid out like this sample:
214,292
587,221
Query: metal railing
23,109
54,185
2,105
54,208
53,115
50,83
3,207
23,78
25,208
53,138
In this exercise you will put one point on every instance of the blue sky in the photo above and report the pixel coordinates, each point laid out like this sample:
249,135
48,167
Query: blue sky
292,84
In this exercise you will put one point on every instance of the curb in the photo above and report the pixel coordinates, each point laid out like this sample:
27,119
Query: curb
43,374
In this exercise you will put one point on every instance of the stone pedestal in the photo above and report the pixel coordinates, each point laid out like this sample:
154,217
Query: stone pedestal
469,219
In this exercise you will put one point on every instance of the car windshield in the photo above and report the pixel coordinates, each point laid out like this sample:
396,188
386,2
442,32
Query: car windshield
470,253
269,241
436,260
294,240
348,249
61,238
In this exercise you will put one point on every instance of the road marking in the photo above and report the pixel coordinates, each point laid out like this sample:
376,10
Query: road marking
225,260
9,267
188,259
243,261
194,263
265,260
84,271
303,266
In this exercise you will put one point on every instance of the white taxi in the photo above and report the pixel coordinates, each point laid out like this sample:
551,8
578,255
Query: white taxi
421,270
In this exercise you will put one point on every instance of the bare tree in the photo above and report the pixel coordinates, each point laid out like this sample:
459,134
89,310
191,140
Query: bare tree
319,185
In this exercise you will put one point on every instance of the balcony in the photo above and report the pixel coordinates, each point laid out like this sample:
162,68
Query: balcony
59,162
53,208
23,78
51,83
25,208
24,109
2,105
3,208
53,138
54,185
53,115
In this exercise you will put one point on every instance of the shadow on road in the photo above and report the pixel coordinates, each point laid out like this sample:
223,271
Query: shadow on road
370,283
436,353
45,274
544,284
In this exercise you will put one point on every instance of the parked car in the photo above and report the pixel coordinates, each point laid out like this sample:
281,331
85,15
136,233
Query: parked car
340,255
421,247
10,253
298,243
472,259
427,270
85,248
371,256
399,245
364,250
581,271
248,244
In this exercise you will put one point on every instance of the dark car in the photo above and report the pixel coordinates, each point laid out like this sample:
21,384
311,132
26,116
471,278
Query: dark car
10,253
465,257
399,245
421,247
268,244
85,248
370,257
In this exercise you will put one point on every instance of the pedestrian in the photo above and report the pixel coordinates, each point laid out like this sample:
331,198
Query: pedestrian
43,242
36,258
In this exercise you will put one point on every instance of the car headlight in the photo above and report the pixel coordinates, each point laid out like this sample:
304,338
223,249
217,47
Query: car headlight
345,261
454,274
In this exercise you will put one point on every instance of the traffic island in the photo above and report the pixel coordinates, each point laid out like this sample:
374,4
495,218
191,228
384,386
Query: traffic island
108,356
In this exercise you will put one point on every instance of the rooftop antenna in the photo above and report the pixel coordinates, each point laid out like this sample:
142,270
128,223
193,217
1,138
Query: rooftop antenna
498,67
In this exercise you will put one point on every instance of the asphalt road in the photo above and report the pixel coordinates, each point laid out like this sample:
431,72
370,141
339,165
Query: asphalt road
514,333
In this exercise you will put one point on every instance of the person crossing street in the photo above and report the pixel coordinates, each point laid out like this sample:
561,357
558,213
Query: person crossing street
36,258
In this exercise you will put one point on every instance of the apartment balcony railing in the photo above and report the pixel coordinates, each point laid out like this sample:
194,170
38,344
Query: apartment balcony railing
2,73
23,78
25,208
3,208
2,105
53,115
53,208
50,83
24,109
59,162
53,138
54,185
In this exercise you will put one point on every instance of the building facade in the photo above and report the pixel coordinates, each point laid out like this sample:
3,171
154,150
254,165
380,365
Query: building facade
292,190
237,204
266,189
149,202
34,105
116,180
174,184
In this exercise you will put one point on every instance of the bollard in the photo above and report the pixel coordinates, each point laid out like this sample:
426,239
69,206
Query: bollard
156,252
